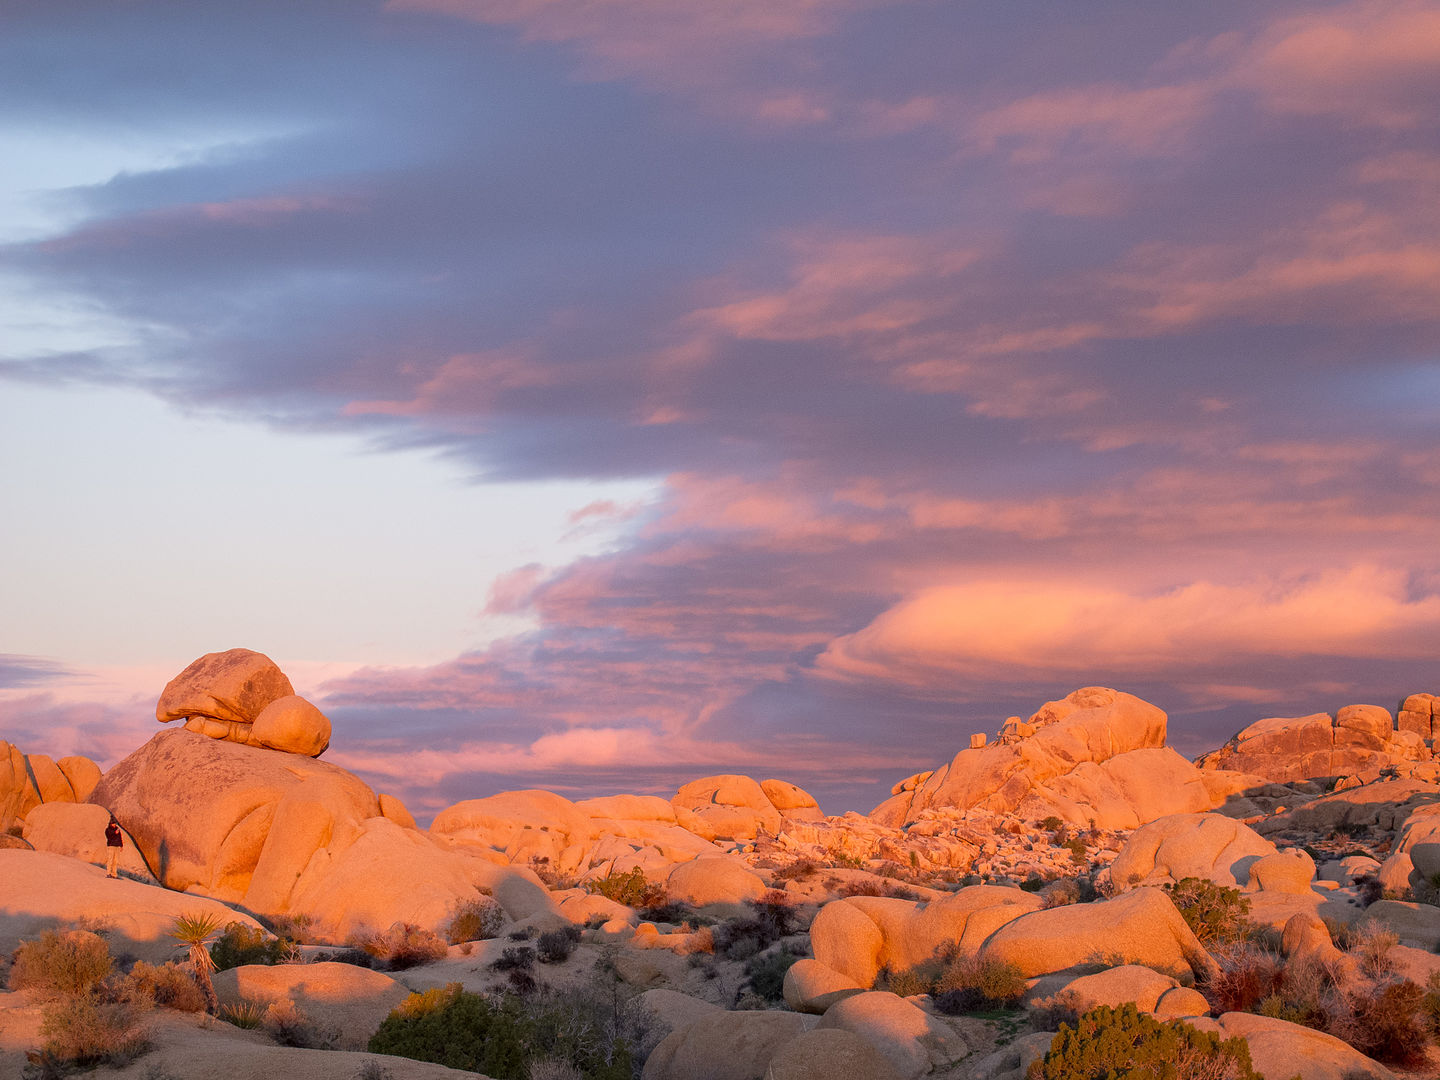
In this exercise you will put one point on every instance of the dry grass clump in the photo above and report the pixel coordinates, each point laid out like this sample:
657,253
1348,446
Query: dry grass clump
970,984
476,920
168,986
1373,945
799,870
85,1031
60,962
404,945
247,1015
289,1025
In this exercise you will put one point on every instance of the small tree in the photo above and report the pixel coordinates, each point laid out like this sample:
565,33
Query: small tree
196,931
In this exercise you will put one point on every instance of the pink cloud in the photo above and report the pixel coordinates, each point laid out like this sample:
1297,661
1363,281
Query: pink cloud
462,384
959,632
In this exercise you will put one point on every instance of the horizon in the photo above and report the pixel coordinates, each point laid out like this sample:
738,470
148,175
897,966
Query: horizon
599,399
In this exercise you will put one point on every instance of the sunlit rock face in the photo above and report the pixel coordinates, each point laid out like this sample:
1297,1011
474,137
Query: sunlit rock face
1359,740
1095,756
28,780
242,696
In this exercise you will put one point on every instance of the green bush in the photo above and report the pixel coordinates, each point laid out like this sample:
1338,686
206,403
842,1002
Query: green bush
1113,1044
1051,823
632,889
476,920
239,944
502,1038
969,984
1213,912
765,973
60,962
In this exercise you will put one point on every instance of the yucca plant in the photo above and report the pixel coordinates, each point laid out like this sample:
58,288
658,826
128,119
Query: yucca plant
246,1015
196,931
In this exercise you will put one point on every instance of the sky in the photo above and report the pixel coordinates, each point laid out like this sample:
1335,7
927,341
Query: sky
600,394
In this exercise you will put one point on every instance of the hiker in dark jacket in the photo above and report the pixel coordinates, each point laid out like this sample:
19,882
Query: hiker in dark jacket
114,841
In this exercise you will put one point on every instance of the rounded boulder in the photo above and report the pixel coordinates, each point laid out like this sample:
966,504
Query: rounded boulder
709,881
827,1053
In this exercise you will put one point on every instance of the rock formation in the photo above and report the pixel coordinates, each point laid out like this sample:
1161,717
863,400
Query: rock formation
27,780
242,696
1097,755
1359,740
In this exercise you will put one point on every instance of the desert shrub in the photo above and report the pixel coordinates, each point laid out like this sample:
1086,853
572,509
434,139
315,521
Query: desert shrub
514,958
772,918
60,962
503,1038
1246,975
1060,892
373,1070
632,889
668,912
476,920
168,986
969,984
1374,947
239,944
1078,852
247,1015
797,871
907,982
1341,933
1034,883
765,973
555,946
1213,912
1368,889
291,928
1106,1043
1051,823
1059,1008
404,945
289,1025
82,1030
1391,1023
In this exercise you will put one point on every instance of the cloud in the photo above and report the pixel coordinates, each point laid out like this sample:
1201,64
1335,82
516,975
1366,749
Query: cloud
983,629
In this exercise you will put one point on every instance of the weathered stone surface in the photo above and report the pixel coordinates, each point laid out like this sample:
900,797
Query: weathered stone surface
1097,755
792,801
524,825
1414,924
725,1046
812,987
1181,1001
1415,856
238,822
233,686
1279,1048
1116,986
27,780
82,773
728,806
352,1000
912,1040
291,724
710,881
394,809
828,1054
672,1009
1189,845
39,889
78,830
1139,927
1360,740
1289,871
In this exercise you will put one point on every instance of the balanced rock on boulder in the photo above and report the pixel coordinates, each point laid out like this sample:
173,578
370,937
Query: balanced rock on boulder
242,696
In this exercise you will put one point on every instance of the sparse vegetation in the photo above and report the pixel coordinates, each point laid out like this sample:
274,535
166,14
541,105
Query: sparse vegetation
1112,1043
61,962
289,1025
85,1031
631,888
476,920
247,1015
240,944
765,973
505,1037
968,984
555,946
1214,913
195,931
404,945
167,986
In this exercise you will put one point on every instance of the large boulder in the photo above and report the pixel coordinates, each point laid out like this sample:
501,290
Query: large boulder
1415,856
791,800
39,889
1114,987
78,830
236,822
812,987
828,1053
1360,740
1189,845
531,826
912,1040
725,1046
1139,927
28,780
859,935
715,881
726,807
351,1000
242,696
1097,755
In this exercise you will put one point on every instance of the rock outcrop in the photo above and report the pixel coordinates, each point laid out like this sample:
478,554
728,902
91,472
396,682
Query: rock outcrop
242,696
1095,756
28,780
1359,740
1189,845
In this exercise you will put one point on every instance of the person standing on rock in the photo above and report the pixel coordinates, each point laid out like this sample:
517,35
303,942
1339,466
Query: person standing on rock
114,841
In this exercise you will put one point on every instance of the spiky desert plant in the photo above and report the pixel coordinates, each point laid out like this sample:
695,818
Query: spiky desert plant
196,931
